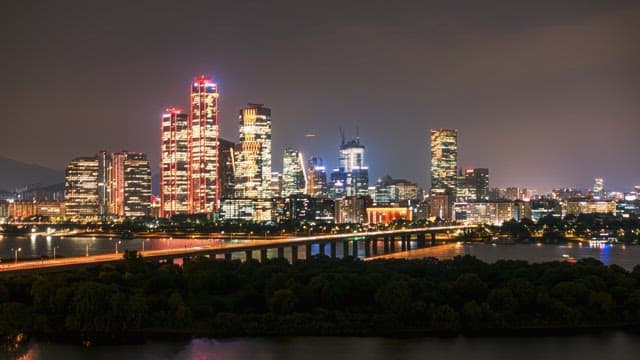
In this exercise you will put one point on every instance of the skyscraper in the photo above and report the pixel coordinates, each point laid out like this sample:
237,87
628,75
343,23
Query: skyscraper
293,174
227,169
352,177
174,183
317,178
81,187
444,162
137,185
473,184
598,188
123,190
204,182
253,160
116,183
103,188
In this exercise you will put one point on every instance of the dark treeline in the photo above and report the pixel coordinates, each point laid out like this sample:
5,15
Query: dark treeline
320,296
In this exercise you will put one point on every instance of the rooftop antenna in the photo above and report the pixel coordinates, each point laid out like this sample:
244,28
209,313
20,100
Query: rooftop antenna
341,134
357,134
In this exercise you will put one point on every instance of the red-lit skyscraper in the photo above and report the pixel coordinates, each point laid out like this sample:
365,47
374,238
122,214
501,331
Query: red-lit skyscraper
204,181
174,163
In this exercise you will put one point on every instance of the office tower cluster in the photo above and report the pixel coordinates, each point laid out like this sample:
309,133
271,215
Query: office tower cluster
108,185
204,174
194,160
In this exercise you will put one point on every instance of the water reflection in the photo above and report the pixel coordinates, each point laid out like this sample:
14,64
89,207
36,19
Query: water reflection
614,345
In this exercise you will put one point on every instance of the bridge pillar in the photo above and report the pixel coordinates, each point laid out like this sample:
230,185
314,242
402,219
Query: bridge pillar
433,238
420,241
345,249
227,256
333,246
385,242
374,246
281,253
321,248
392,244
294,253
248,255
367,248
263,255
403,246
354,248
308,251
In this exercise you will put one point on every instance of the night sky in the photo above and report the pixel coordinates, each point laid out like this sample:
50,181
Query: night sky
544,93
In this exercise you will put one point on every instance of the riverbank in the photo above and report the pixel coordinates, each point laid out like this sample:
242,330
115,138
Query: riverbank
319,296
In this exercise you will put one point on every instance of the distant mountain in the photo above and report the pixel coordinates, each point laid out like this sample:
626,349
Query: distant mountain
16,175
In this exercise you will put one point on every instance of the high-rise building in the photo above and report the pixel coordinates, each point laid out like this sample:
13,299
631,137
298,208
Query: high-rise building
276,184
204,183
227,169
137,185
473,184
598,188
253,158
352,176
108,184
116,180
395,191
444,161
103,182
81,187
317,178
293,174
174,163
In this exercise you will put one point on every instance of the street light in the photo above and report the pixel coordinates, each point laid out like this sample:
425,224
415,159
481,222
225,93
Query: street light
117,242
54,251
16,251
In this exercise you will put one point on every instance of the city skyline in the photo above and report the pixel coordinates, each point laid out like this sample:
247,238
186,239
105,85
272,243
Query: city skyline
544,96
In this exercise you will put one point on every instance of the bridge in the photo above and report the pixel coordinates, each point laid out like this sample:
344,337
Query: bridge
370,244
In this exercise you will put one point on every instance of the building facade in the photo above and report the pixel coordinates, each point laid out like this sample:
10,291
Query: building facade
317,179
204,183
174,163
136,198
294,179
253,157
81,187
444,162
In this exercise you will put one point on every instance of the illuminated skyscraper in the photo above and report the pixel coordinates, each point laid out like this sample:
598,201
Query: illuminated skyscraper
81,187
104,190
352,155
204,181
253,158
137,185
352,177
108,184
317,179
174,183
444,162
598,188
116,183
293,175
473,184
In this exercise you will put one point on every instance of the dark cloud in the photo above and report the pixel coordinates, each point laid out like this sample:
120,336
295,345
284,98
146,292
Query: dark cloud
543,92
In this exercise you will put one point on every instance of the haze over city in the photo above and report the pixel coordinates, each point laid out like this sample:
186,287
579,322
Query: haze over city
544,95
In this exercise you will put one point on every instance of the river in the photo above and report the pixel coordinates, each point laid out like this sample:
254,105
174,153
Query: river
609,345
